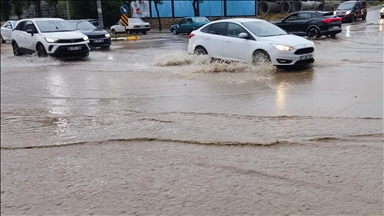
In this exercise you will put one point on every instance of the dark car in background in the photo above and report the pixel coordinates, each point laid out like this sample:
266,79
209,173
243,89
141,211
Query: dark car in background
98,38
351,10
312,24
188,24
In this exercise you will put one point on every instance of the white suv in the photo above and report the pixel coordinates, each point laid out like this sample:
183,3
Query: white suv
49,36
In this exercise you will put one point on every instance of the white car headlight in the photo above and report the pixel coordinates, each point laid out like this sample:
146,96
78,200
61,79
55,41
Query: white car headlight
85,38
348,12
334,12
107,35
51,40
382,10
282,47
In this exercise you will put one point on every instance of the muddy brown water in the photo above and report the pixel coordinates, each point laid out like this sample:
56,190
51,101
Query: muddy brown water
145,128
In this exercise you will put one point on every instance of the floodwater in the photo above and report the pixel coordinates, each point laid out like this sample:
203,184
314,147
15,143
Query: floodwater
145,128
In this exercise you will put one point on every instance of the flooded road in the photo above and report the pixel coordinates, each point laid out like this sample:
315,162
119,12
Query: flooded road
144,128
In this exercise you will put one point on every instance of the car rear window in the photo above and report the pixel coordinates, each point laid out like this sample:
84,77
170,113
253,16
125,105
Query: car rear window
328,15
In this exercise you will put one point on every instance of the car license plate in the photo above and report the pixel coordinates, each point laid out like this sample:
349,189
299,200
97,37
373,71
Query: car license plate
74,48
335,27
98,41
305,57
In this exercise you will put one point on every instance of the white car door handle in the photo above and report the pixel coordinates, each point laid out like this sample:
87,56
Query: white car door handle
228,41
207,38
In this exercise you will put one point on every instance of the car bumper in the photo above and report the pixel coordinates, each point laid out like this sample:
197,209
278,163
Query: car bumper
65,50
99,42
139,29
346,17
280,58
331,31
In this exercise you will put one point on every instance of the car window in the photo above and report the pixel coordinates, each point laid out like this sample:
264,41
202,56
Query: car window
82,25
264,28
201,19
7,25
206,29
189,21
234,30
21,26
346,6
182,21
54,26
30,25
304,16
357,6
292,17
218,28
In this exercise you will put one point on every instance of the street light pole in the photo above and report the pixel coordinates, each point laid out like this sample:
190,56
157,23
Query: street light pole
68,10
100,14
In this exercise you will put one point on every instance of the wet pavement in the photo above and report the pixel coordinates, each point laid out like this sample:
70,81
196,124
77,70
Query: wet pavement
144,128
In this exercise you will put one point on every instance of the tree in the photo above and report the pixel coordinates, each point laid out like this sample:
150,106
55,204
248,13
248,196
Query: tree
5,9
195,5
18,7
54,3
37,4
157,2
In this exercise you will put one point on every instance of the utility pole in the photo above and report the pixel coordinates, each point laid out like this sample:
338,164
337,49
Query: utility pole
68,17
100,13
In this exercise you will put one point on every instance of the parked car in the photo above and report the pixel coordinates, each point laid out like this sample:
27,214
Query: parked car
351,10
135,25
98,38
49,36
382,11
250,40
6,30
313,24
188,24
94,22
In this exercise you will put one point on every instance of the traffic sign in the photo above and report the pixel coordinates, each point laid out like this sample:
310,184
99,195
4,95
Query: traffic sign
124,20
124,9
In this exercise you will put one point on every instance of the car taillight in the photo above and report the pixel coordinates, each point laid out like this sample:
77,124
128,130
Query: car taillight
147,25
191,35
331,19
135,26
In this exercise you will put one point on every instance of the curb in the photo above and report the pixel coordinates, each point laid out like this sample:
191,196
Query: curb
128,38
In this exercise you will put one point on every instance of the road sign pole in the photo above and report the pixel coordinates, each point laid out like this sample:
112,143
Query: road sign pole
68,17
100,13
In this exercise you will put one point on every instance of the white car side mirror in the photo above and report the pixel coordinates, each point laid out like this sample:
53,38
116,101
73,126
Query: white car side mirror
243,35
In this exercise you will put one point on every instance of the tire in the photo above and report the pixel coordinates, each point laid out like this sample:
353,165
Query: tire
41,51
364,17
260,57
2,40
200,51
174,31
353,19
144,32
113,31
313,32
382,16
16,50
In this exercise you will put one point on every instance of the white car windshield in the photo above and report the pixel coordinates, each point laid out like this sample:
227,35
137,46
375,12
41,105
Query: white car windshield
54,26
82,25
264,29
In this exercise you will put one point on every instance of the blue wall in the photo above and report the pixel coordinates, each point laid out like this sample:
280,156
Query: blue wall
165,9
207,8
211,8
240,8
183,8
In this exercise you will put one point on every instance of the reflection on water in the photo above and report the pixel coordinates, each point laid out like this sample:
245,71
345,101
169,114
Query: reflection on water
347,32
381,22
280,96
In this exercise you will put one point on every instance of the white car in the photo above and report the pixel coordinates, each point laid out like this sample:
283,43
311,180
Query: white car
49,36
135,25
6,30
382,11
250,40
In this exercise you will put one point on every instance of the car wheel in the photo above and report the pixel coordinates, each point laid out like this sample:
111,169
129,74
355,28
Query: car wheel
364,16
113,31
200,51
16,50
382,16
353,18
41,51
313,32
2,39
174,31
260,57
144,32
